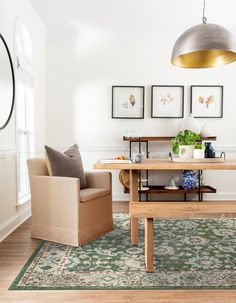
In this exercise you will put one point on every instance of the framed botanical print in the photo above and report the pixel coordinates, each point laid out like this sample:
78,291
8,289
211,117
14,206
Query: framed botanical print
207,101
167,101
128,102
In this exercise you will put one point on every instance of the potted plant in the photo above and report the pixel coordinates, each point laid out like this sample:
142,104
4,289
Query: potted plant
199,150
183,143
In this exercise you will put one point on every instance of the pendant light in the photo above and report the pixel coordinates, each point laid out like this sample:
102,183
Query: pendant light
204,45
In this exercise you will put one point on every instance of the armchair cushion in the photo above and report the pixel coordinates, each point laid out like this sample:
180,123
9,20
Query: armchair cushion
67,164
88,194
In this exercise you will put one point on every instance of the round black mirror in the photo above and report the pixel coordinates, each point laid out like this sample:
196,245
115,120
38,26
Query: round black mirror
7,84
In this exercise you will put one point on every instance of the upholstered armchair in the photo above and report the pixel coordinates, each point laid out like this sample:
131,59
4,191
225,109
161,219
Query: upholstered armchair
64,213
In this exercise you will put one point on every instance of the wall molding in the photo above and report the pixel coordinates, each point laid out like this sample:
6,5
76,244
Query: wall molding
111,148
97,148
104,148
6,153
12,223
226,148
161,149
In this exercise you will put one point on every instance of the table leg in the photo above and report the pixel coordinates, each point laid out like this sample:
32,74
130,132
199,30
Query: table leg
134,231
134,198
199,185
149,244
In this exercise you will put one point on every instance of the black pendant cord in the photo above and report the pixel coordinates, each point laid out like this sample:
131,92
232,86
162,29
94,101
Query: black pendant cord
204,19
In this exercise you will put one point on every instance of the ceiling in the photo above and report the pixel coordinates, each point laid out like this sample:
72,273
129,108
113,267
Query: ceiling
132,15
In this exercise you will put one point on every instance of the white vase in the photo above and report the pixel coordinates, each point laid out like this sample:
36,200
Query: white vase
191,124
206,131
199,153
186,151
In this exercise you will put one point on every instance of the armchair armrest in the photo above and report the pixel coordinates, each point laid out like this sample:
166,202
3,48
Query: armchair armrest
99,179
55,200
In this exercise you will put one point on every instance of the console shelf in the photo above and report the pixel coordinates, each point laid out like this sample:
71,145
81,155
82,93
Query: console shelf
160,138
161,189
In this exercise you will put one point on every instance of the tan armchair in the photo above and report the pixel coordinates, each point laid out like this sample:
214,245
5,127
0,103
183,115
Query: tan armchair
62,212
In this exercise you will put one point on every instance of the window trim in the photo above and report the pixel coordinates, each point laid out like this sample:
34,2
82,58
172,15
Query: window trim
24,73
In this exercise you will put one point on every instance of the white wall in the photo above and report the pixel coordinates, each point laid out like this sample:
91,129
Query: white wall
80,72
10,214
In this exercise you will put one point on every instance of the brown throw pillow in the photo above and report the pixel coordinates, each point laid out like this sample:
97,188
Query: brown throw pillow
67,164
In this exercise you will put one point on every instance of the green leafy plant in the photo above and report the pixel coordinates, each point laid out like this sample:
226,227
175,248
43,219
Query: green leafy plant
199,145
186,137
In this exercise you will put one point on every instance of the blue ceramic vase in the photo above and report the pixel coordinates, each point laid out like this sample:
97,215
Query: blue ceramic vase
209,150
189,179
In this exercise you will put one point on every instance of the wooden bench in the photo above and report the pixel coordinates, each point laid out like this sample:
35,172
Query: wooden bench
167,210
151,210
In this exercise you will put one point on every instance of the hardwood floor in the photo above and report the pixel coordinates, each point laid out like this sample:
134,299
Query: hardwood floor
16,249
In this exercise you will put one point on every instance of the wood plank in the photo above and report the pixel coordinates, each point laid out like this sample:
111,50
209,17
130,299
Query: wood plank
149,244
229,164
182,209
134,197
148,138
161,138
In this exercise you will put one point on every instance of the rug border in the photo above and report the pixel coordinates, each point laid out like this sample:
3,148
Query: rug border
14,286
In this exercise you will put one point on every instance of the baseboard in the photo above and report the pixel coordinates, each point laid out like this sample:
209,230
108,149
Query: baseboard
120,197
12,223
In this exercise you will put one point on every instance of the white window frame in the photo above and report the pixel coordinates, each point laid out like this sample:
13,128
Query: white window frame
24,74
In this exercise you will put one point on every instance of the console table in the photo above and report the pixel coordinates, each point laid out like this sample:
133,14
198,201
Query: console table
157,209
160,189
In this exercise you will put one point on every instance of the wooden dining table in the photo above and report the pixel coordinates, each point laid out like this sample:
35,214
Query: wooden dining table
159,209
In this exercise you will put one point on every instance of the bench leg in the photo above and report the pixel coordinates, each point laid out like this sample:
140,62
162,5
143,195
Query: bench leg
149,244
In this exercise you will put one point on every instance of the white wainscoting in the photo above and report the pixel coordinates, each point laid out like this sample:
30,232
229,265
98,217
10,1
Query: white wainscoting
5,153
11,215
13,222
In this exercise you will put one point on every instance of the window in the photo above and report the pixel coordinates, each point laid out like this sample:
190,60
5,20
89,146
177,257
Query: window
24,108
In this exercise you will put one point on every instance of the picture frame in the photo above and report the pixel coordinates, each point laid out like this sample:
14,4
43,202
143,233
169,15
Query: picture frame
128,102
206,101
167,101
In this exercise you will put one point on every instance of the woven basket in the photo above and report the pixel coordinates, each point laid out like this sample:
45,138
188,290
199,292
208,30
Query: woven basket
124,178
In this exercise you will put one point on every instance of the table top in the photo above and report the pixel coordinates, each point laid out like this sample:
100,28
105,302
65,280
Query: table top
229,164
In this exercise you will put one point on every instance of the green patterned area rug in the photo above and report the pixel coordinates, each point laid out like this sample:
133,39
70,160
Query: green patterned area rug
189,254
